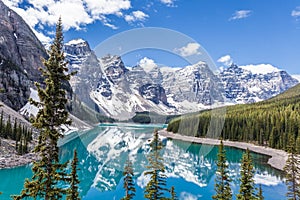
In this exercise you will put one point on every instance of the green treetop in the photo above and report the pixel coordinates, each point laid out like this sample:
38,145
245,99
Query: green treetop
48,172
222,186
73,193
246,191
292,171
128,181
156,186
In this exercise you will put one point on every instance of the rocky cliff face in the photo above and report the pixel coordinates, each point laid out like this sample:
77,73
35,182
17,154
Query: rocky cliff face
243,86
120,91
20,58
84,61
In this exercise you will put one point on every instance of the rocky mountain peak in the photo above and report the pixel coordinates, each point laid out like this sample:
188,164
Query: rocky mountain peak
119,92
77,47
244,86
113,67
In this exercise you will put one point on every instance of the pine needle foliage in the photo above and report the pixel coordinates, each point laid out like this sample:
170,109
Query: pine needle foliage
128,181
292,171
47,171
265,123
247,188
156,187
173,194
72,193
222,186
260,195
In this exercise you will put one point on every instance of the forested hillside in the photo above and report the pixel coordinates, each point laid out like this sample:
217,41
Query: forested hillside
268,123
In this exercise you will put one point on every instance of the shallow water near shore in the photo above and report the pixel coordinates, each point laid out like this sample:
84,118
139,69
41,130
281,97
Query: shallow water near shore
190,167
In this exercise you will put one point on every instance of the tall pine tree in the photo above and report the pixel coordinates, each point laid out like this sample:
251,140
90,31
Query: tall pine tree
72,193
292,171
222,186
1,124
247,189
156,186
128,181
173,194
260,195
48,172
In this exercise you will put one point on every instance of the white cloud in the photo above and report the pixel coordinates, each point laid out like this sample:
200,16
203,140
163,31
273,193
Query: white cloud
75,13
147,64
189,50
168,2
43,38
136,16
296,13
225,60
261,68
240,14
107,7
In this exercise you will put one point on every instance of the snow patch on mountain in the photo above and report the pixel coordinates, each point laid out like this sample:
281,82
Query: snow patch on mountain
113,89
76,42
296,76
166,70
29,109
260,68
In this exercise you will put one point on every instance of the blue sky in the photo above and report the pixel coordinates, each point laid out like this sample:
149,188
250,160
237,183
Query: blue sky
244,31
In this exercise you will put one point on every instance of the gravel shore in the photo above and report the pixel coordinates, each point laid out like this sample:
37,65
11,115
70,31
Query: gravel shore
9,157
277,160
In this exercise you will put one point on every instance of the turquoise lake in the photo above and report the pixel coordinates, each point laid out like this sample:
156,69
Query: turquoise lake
190,167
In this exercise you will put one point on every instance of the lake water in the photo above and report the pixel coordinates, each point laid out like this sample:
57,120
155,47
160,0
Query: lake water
191,168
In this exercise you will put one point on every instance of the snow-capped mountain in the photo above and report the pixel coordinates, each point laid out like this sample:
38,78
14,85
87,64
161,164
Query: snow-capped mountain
119,91
248,85
84,61
296,76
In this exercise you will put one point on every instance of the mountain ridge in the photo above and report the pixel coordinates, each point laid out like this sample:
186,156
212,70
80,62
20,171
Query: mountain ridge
119,91
270,122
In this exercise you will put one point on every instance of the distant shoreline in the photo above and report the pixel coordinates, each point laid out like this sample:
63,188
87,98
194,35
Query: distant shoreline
277,160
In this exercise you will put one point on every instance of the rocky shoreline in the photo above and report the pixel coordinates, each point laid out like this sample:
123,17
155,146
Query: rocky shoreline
9,157
11,160
277,160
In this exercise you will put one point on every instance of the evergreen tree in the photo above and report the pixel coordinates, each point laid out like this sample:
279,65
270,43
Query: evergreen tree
20,147
1,124
246,191
47,171
260,195
128,181
292,171
298,144
73,193
222,186
14,131
173,194
8,128
156,186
